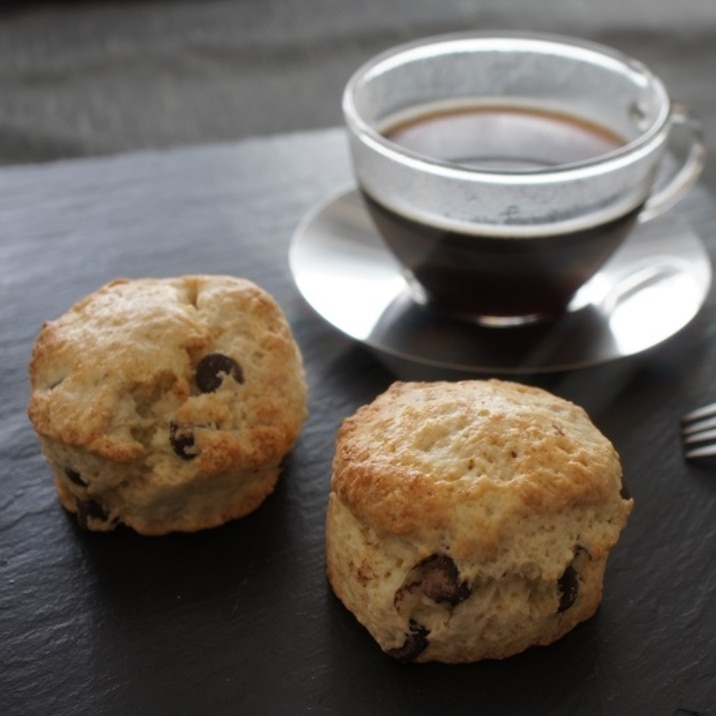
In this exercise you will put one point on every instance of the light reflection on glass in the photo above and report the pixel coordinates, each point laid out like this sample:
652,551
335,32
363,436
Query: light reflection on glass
664,293
354,301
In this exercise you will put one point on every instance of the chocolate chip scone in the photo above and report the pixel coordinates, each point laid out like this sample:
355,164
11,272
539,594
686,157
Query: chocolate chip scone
471,520
167,404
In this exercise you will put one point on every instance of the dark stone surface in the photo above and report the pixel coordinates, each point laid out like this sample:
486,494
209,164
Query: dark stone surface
241,619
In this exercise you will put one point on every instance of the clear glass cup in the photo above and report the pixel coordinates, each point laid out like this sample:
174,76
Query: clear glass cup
503,170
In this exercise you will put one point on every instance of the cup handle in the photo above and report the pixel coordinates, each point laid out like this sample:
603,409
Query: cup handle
691,159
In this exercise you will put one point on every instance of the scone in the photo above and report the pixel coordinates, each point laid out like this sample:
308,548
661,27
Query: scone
167,404
471,520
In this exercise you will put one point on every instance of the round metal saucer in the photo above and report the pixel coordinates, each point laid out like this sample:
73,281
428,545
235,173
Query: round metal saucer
649,290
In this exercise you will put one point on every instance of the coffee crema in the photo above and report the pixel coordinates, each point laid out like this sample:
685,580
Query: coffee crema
492,276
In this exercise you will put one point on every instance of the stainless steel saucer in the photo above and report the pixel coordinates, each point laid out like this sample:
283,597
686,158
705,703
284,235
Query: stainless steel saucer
649,290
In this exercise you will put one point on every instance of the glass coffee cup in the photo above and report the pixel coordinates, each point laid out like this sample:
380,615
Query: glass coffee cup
503,171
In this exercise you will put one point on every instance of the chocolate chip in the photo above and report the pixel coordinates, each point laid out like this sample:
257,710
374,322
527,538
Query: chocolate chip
439,579
568,585
87,509
74,476
181,438
212,368
416,641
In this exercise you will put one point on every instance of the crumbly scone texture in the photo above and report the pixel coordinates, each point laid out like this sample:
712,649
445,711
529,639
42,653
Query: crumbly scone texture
471,520
167,404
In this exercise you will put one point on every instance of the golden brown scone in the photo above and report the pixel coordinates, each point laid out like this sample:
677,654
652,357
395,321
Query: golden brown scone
471,520
167,404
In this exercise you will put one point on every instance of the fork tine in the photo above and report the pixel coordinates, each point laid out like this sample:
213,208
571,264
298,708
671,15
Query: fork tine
707,452
699,425
700,437
698,430
706,411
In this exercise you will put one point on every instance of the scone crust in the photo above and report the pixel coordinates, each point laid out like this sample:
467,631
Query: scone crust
509,489
114,382
484,452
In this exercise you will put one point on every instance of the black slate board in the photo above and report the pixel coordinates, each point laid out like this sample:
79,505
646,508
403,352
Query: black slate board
240,620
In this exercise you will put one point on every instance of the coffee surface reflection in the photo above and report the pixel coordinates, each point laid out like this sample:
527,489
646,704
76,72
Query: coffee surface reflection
496,137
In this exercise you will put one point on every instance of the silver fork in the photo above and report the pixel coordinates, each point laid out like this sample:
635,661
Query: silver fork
698,430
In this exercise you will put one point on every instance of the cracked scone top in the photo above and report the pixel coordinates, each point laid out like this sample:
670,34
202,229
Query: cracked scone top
471,520
167,404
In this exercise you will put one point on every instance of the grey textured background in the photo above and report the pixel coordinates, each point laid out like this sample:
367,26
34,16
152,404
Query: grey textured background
91,78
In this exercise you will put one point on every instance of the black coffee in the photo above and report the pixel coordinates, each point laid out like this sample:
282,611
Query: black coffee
497,276
503,138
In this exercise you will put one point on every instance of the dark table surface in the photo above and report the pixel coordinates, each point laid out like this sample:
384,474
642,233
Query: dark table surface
240,619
